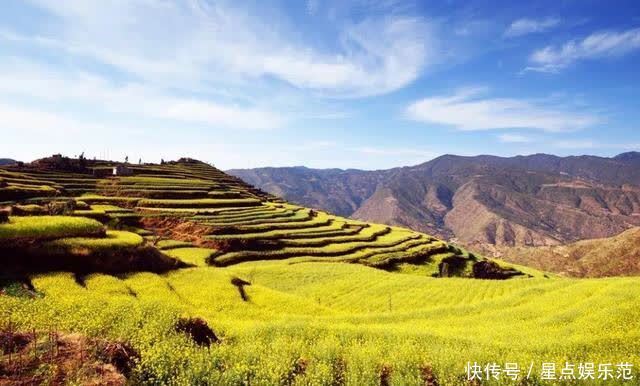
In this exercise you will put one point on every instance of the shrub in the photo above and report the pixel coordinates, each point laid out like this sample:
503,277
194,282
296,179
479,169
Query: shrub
12,341
452,266
119,354
385,375
4,215
198,330
427,375
491,270
60,208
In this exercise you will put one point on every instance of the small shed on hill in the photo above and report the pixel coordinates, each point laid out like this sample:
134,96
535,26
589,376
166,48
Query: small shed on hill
122,170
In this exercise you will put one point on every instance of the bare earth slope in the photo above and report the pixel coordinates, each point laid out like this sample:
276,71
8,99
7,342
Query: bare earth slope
478,201
339,191
614,256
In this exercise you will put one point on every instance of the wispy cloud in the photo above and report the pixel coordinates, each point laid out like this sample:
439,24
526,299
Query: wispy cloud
597,45
528,26
514,138
23,79
203,44
36,123
469,110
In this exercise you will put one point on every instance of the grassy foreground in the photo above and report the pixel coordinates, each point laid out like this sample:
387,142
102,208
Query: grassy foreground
338,323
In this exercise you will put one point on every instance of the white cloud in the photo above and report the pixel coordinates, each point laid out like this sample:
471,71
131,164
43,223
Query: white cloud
220,115
199,42
528,26
514,138
467,110
25,79
387,55
597,45
35,122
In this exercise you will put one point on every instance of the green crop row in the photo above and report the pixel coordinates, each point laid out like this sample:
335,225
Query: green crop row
199,203
299,216
341,250
49,227
113,240
266,227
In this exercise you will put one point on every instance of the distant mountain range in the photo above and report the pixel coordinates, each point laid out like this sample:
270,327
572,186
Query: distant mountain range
7,161
477,201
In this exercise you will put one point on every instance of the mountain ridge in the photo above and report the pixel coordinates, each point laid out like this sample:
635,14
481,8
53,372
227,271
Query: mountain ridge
539,199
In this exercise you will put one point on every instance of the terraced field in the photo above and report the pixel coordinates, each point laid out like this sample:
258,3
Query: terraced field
296,296
238,223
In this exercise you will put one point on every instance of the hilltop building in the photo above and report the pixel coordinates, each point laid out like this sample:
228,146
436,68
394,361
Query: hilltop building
122,170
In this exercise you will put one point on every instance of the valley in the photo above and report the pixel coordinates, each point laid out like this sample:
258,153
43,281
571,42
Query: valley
618,255
484,203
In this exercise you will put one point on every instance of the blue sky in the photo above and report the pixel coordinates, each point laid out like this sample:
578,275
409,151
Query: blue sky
350,84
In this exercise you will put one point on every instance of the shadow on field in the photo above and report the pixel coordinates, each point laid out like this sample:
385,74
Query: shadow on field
240,284
33,259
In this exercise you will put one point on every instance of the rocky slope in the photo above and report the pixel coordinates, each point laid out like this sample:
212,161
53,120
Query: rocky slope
614,256
340,191
478,201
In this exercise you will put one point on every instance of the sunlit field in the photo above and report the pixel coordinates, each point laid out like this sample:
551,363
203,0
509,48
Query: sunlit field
344,323
330,301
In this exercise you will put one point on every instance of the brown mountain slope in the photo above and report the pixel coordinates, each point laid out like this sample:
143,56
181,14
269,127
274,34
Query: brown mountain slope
338,191
478,201
613,256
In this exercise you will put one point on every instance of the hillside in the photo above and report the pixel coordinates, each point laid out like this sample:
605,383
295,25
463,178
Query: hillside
480,201
180,274
338,191
6,161
614,256
218,219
